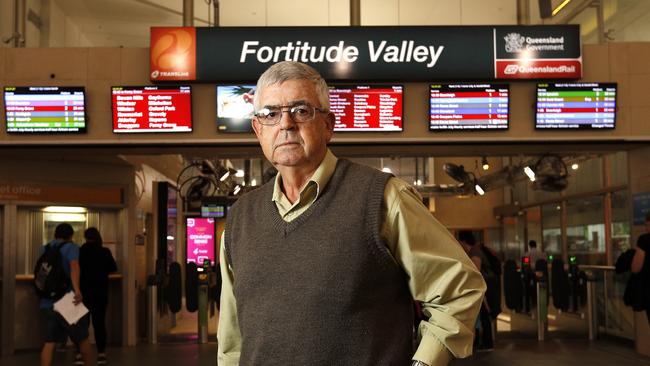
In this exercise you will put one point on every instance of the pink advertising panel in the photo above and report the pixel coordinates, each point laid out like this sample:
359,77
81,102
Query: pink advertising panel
200,240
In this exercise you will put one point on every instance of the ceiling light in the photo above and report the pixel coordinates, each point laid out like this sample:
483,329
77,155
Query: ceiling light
575,166
236,190
253,182
485,163
64,217
65,209
386,170
530,173
225,175
560,7
240,173
479,190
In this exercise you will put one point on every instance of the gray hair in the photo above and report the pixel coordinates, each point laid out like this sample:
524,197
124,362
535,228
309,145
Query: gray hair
291,70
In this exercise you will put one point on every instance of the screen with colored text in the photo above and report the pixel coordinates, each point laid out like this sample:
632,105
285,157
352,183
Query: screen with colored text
138,109
45,109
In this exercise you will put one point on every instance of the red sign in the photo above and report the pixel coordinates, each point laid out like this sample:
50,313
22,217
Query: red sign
172,53
538,69
367,108
152,109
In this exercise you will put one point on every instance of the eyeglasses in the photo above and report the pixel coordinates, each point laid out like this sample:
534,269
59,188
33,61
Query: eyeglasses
299,113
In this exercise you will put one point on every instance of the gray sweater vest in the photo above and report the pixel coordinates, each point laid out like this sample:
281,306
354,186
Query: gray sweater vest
323,289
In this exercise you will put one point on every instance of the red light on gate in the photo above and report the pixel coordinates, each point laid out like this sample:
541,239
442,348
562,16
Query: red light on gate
526,260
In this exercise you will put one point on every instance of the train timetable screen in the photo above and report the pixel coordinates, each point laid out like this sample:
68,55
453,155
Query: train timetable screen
468,107
367,107
47,109
576,106
151,109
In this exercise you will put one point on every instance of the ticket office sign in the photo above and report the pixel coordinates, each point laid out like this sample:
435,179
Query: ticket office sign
152,109
373,53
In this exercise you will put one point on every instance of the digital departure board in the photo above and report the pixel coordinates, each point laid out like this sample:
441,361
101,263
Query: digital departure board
367,107
152,109
45,109
468,107
576,106
235,108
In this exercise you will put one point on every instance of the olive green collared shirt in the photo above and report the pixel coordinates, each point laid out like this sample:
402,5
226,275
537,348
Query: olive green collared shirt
440,274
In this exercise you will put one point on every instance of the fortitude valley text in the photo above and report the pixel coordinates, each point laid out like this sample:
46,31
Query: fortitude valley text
406,51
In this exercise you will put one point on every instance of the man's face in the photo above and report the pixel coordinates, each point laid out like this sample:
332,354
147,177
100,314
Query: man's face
291,144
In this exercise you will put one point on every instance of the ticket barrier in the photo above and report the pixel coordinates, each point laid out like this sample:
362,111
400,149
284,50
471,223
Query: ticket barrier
526,294
200,283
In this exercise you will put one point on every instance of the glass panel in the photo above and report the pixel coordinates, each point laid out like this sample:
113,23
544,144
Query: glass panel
534,224
513,238
551,229
494,240
586,230
614,317
620,223
587,178
519,191
618,168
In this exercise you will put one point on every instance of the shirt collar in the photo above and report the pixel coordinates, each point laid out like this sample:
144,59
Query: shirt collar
320,178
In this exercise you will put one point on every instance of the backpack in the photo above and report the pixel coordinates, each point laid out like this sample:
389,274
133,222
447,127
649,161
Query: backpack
50,280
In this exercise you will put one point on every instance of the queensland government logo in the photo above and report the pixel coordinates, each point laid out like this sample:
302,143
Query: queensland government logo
514,42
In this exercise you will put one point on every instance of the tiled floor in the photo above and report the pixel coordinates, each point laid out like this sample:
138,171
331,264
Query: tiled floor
509,352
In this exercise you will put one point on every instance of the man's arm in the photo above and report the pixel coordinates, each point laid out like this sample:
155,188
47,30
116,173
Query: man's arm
75,273
440,275
228,334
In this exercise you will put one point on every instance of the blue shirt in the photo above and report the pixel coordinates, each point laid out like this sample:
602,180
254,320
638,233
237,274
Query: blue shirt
69,253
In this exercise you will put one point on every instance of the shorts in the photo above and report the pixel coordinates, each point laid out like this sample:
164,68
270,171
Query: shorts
58,330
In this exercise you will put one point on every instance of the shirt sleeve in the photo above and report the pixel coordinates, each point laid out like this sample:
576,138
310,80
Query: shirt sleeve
228,334
440,274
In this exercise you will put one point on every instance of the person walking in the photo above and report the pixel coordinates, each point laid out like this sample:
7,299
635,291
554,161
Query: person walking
57,328
96,264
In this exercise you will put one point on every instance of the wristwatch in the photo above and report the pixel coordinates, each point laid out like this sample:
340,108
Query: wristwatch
418,363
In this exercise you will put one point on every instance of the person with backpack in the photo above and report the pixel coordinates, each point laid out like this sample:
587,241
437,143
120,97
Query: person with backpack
57,272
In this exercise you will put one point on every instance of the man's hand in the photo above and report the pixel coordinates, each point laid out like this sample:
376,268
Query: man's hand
77,297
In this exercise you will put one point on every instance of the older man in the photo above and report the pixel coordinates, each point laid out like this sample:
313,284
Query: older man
321,265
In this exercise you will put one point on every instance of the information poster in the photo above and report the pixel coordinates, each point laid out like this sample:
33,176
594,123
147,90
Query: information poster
200,240
367,108
468,107
576,106
49,109
152,109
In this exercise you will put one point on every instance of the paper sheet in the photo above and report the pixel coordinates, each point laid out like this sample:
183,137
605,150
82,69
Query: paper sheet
70,312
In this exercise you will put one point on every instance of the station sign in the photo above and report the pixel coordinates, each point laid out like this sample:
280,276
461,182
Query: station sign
411,53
